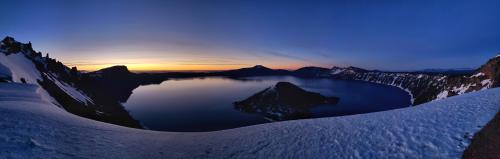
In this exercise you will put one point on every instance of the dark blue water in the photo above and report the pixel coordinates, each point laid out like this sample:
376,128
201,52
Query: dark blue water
205,104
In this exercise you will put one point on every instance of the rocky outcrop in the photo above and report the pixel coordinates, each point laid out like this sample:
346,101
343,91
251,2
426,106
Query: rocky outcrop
284,101
117,82
485,143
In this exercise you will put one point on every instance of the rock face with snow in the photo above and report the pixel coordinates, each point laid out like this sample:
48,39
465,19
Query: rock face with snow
63,86
284,101
427,87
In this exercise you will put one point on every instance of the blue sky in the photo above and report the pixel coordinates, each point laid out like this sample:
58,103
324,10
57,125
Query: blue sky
176,35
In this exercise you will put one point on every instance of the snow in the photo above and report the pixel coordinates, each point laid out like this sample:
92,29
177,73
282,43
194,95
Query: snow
462,89
441,78
439,129
412,99
477,75
442,95
337,71
22,67
486,84
71,91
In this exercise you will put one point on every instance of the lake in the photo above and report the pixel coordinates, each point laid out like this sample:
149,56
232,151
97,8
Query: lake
205,104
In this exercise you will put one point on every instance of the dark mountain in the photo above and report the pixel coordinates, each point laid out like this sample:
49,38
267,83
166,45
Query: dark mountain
257,70
114,71
284,101
311,72
116,83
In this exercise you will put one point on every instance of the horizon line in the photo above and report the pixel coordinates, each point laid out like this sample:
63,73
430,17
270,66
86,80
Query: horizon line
289,69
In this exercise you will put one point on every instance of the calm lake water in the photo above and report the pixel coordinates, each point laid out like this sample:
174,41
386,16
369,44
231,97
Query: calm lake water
205,104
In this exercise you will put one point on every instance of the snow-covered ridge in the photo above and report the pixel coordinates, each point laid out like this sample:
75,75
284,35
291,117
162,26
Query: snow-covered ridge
18,62
20,69
427,87
477,75
441,129
417,85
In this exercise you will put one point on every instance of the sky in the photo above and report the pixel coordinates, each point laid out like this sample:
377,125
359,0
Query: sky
219,35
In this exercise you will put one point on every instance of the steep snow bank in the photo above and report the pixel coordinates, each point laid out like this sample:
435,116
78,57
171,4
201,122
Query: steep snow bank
441,129
18,68
22,69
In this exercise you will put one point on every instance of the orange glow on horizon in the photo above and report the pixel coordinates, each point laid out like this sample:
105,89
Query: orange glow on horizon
175,61
164,67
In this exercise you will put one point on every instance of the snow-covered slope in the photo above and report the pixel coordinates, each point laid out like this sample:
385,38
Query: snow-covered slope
18,68
18,64
32,127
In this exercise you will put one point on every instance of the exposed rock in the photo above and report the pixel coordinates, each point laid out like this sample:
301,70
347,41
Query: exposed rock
283,101
116,82
492,70
485,143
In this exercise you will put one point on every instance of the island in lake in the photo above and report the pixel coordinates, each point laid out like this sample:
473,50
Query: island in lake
283,101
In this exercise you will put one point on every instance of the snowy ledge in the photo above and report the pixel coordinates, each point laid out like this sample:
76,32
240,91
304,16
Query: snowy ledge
439,129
